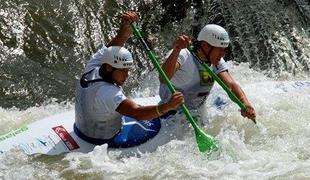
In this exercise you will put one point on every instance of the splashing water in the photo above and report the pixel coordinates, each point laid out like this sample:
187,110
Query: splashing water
44,46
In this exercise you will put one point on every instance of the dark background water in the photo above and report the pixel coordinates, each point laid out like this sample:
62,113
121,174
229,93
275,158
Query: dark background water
45,44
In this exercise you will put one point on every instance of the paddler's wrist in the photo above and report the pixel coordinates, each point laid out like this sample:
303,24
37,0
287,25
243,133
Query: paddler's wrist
162,108
176,49
244,100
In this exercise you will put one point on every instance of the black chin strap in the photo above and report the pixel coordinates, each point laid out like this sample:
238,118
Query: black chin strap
105,76
197,46
207,54
84,81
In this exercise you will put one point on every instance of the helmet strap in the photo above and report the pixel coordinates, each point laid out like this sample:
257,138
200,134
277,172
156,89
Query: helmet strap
207,54
196,46
105,75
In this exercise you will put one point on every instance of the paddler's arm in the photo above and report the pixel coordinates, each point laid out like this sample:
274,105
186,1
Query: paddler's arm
234,86
171,65
131,109
124,31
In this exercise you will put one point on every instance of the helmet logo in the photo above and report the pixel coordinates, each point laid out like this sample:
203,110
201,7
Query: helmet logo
120,59
216,36
128,64
221,37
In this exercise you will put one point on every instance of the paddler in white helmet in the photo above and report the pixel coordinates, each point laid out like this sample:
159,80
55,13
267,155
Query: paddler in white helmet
100,100
190,78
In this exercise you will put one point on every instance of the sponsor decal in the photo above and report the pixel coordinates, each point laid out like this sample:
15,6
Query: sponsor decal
42,141
38,145
66,137
51,141
205,78
299,84
148,123
13,133
24,147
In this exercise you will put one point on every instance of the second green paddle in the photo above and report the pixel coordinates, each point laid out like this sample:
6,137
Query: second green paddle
206,143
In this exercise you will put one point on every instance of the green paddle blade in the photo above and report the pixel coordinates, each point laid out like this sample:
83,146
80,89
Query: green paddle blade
205,142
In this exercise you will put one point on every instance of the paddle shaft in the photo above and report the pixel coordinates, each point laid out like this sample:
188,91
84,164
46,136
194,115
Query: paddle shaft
163,74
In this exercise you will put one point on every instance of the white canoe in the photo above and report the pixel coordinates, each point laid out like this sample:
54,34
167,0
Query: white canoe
54,135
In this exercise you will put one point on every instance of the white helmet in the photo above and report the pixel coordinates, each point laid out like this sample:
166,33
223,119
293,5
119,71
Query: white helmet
118,57
215,35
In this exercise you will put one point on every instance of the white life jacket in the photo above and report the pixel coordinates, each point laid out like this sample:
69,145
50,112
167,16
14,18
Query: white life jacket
94,116
198,91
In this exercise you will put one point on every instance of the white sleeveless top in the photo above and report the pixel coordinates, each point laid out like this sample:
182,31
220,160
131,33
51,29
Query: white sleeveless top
95,105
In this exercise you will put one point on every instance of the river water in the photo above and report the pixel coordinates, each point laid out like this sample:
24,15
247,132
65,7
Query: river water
44,46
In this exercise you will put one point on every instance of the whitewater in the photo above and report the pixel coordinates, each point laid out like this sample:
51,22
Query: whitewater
44,47
276,148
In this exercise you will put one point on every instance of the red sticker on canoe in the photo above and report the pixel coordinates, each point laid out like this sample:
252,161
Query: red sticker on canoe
66,137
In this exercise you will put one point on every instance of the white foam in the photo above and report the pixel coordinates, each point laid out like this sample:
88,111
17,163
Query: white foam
278,147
